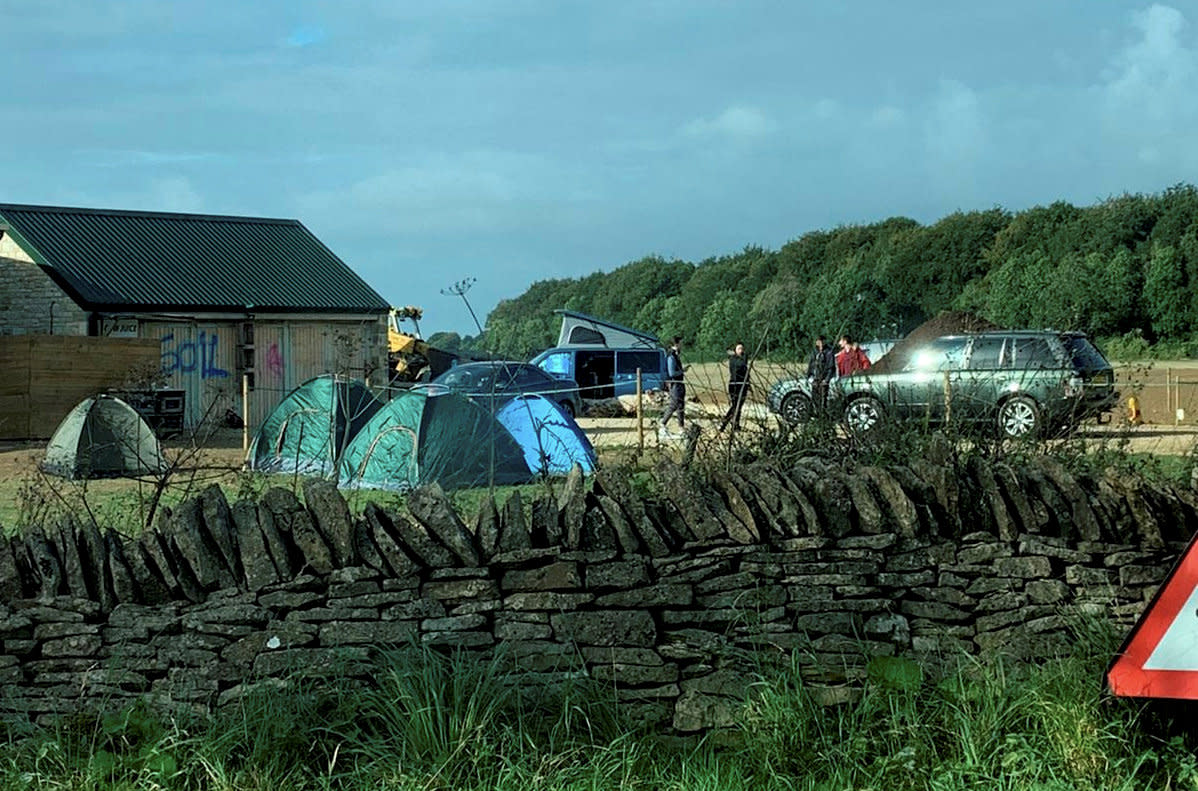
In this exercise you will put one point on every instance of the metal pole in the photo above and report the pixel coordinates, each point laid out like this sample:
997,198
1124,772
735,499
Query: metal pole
640,415
1169,391
948,400
245,413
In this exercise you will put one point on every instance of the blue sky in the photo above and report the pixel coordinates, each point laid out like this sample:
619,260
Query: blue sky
426,142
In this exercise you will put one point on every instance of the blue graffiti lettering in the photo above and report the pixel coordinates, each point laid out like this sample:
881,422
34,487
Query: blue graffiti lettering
191,356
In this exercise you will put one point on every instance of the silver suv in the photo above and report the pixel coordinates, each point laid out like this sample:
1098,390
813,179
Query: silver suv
1022,382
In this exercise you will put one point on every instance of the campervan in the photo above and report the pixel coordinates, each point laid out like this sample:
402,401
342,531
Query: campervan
604,357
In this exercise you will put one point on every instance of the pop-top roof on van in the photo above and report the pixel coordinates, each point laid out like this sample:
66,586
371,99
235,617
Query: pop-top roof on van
582,331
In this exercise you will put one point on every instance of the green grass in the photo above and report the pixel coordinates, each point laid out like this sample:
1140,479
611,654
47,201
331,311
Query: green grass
127,505
431,721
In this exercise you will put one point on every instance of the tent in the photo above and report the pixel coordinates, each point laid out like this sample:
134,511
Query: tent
552,442
103,437
420,438
310,428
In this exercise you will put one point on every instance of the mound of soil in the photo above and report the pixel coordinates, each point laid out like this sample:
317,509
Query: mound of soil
947,323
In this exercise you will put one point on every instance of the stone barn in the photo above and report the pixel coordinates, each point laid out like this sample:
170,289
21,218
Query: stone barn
228,299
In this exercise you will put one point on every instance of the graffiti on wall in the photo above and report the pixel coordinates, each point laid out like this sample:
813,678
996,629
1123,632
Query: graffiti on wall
274,361
191,357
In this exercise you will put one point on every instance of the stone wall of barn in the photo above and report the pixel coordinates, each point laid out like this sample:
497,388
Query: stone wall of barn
670,589
30,301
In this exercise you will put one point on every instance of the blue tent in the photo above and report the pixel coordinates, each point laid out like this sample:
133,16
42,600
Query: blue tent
310,428
419,438
550,439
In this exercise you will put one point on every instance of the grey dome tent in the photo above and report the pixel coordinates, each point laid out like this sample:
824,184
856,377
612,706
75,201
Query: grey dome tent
103,437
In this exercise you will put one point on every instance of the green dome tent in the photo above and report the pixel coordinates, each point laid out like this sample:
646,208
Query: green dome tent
310,428
103,437
420,438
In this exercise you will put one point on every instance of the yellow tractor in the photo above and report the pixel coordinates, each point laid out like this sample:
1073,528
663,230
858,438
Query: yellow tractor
409,356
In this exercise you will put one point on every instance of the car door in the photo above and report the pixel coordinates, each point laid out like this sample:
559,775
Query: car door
1035,366
984,378
918,391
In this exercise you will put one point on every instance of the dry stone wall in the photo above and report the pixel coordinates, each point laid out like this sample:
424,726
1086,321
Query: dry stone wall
668,589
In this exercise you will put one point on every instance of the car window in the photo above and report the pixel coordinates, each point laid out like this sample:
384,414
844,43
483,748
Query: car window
1033,353
506,375
460,378
1083,353
557,363
942,354
986,353
529,378
628,362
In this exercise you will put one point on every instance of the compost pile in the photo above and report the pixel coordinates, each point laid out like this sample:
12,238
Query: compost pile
947,323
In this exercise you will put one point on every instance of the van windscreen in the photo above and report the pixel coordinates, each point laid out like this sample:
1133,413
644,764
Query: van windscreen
557,364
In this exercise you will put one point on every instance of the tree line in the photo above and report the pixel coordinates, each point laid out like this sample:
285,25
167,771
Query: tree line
1123,270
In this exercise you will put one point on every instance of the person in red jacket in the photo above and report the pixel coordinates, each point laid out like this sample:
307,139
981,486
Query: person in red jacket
851,358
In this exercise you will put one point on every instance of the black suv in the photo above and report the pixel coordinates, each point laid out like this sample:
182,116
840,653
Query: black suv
1023,382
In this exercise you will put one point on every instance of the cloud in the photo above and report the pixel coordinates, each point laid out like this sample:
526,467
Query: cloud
305,36
121,158
827,109
168,193
887,115
954,130
474,191
737,121
175,194
1152,78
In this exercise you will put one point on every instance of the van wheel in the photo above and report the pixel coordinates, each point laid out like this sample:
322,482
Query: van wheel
795,408
1018,418
862,415
568,408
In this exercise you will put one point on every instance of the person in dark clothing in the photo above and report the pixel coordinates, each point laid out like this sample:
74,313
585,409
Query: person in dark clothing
738,386
675,385
821,369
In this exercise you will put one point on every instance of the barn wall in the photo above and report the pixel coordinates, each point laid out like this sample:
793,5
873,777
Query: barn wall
288,353
198,358
206,359
30,302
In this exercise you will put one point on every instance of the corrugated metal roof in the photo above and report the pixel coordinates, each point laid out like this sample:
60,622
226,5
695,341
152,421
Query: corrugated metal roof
113,260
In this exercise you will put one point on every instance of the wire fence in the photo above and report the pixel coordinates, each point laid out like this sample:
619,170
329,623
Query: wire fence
1163,397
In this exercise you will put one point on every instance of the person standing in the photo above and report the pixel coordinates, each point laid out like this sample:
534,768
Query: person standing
738,386
675,386
821,368
860,358
851,358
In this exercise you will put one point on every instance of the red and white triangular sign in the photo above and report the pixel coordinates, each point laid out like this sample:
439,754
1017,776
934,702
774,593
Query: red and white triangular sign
1159,659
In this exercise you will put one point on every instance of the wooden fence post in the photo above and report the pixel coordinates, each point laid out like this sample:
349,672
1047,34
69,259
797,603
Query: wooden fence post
640,416
245,413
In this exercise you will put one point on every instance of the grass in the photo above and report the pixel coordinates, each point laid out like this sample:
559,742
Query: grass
126,505
432,721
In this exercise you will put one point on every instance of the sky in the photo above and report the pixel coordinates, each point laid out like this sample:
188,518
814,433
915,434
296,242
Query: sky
511,142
